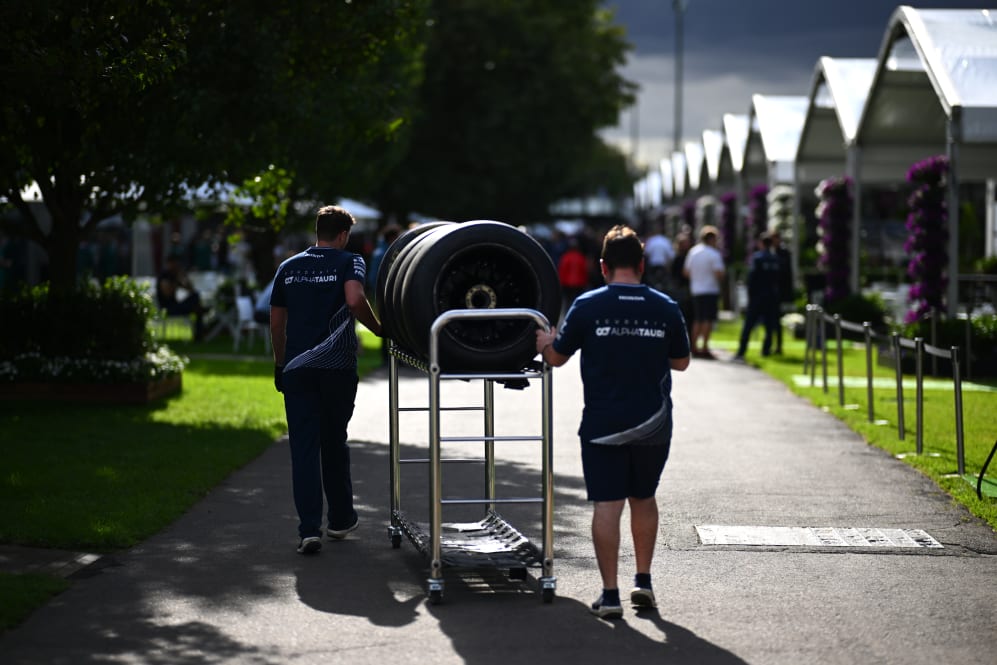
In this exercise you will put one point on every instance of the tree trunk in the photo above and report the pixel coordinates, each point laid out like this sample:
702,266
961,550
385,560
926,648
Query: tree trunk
62,245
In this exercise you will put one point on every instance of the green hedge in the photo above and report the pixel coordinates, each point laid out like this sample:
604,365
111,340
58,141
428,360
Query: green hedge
95,332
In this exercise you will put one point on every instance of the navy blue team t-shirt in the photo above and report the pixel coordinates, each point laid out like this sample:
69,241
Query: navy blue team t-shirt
321,332
628,334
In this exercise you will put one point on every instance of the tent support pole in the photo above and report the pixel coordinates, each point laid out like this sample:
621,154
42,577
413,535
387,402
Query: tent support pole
952,150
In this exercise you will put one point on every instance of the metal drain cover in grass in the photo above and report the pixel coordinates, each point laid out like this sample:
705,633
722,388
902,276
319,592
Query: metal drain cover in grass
809,536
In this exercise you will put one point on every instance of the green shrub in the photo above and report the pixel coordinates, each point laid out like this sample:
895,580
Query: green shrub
92,333
859,308
952,332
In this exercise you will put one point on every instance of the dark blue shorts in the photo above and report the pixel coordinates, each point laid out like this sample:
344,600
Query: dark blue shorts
705,307
619,472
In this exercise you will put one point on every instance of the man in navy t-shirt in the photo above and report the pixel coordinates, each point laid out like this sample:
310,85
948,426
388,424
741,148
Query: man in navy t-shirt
631,337
317,297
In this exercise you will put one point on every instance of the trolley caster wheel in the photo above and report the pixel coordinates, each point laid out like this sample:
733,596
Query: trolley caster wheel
435,597
517,574
548,596
396,541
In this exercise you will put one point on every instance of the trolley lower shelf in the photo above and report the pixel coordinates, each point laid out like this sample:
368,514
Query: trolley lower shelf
491,542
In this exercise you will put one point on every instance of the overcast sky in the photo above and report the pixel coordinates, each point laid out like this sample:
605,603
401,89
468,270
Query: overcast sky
733,49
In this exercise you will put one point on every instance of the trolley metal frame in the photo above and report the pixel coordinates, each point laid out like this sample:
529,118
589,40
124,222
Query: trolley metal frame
506,546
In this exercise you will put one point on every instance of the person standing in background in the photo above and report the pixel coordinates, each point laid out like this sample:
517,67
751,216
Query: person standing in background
704,267
763,297
787,293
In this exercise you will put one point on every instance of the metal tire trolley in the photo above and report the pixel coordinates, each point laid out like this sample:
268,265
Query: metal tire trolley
463,545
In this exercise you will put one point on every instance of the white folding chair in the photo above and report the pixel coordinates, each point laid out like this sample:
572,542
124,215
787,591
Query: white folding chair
247,325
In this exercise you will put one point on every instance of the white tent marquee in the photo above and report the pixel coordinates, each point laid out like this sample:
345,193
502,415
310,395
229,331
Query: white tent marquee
695,167
934,92
779,123
838,94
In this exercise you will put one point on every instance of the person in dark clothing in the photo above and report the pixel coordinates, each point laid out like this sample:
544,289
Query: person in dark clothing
177,297
763,297
631,338
679,286
787,293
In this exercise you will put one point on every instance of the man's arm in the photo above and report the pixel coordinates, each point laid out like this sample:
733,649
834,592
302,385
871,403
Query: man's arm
278,333
679,364
357,301
546,350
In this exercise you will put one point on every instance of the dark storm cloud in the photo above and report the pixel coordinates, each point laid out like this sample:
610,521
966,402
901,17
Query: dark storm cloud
736,48
776,29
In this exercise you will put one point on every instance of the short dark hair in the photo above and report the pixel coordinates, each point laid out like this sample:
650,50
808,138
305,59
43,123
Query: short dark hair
331,221
621,248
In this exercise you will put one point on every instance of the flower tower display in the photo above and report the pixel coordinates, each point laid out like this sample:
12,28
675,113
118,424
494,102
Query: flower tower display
728,224
927,239
758,215
834,213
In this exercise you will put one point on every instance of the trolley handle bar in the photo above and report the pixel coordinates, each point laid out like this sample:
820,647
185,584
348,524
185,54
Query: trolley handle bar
446,317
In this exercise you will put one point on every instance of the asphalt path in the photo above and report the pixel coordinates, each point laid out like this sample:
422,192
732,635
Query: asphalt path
224,585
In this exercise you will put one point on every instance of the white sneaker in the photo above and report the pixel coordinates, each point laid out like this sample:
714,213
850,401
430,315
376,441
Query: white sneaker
341,533
604,611
310,545
643,598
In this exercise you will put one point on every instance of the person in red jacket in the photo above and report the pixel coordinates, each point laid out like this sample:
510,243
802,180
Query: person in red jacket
573,272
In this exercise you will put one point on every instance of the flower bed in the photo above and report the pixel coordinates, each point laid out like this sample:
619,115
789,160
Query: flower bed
135,392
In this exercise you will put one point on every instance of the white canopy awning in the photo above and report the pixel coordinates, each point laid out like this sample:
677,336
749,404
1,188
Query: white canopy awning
779,121
936,77
679,177
695,167
713,147
838,93
667,182
736,128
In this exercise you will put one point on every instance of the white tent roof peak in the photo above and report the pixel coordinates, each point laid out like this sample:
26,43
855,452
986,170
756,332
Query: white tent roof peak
780,122
848,81
713,146
667,181
736,128
838,93
951,53
694,165
679,175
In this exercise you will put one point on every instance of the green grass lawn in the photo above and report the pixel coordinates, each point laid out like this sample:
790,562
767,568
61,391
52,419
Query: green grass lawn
938,459
103,478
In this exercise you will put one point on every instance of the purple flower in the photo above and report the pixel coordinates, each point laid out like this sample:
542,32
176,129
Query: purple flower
835,212
927,237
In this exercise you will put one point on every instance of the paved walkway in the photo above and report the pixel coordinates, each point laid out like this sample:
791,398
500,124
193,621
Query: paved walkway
223,583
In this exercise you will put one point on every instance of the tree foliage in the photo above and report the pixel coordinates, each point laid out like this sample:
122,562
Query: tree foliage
122,102
514,92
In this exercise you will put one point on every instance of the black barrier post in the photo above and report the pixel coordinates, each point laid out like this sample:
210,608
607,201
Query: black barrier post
867,331
841,362
806,339
823,347
969,349
934,341
919,364
900,384
957,386
815,314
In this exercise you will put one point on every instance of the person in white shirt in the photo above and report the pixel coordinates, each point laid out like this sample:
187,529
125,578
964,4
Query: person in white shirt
704,266
658,255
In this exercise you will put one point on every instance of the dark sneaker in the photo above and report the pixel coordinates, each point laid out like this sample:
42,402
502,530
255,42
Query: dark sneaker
339,534
643,598
310,545
604,611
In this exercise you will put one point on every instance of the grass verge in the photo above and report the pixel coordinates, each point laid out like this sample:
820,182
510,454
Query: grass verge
938,459
103,478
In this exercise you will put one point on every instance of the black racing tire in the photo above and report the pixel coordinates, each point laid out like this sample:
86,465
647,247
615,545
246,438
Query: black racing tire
473,265
395,297
381,294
